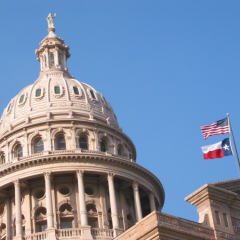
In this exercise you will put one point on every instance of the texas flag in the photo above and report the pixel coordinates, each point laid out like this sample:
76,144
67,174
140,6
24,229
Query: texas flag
218,150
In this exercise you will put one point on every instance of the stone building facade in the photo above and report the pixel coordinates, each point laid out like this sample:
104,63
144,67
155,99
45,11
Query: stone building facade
67,171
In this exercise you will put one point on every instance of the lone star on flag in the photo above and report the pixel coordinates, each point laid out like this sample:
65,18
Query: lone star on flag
226,147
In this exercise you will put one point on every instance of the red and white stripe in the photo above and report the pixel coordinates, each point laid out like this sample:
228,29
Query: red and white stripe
212,129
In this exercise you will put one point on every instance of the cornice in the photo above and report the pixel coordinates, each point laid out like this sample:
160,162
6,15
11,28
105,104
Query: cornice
76,156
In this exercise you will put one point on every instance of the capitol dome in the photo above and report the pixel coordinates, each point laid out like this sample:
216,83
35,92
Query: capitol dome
67,171
56,94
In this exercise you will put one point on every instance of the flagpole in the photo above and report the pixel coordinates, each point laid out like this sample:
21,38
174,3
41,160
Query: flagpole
230,127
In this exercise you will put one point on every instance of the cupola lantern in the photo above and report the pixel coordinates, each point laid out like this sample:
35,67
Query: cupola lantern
53,52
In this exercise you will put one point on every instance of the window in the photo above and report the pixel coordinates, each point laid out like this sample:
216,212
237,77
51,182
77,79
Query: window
21,99
57,90
217,217
93,222
19,152
103,146
83,143
225,219
39,146
45,60
92,94
66,224
119,151
51,59
9,107
2,159
61,144
42,227
38,92
60,59
76,91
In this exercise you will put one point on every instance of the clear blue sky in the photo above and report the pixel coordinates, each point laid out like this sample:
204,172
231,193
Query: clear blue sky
167,67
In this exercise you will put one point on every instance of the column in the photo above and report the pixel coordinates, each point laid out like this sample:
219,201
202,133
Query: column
82,204
28,229
18,209
85,229
137,201
152,201
103,204
122,201
8,232
50,223
113,204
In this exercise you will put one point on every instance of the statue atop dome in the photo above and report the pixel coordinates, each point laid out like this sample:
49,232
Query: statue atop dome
50,20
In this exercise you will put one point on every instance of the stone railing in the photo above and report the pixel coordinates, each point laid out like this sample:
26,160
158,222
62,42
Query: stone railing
36,236
99,232
59,152
70,232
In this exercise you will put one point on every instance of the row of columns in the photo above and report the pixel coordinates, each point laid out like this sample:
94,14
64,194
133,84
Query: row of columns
86,230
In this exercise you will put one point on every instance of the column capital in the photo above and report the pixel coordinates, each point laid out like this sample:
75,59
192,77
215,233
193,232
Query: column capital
47,175
16,182
111,175
80,173
151,195
135,185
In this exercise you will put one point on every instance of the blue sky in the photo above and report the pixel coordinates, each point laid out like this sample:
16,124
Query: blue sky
166,67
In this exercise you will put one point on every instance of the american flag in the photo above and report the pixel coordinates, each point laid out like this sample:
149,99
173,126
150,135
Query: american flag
216,128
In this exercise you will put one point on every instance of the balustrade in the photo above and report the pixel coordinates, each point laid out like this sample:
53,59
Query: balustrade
36,236
99,232
71,232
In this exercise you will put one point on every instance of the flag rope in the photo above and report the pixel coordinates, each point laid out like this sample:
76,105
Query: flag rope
233,142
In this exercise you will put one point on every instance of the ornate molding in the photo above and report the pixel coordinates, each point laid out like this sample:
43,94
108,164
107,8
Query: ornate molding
47,175
80,173
16,182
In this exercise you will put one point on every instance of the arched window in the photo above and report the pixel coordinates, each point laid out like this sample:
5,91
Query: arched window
92,94
83,143
103,146
51,59
19,152
2,158
60,59
119,151
61,144
39,146
45,60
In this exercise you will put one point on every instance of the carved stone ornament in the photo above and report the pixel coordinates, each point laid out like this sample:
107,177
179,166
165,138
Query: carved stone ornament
16,182
47,175
135,186
80,173
111,175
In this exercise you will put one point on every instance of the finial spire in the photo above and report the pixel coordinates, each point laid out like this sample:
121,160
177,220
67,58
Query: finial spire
51,22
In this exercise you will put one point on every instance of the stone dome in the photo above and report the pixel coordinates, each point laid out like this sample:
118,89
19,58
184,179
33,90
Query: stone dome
56,94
